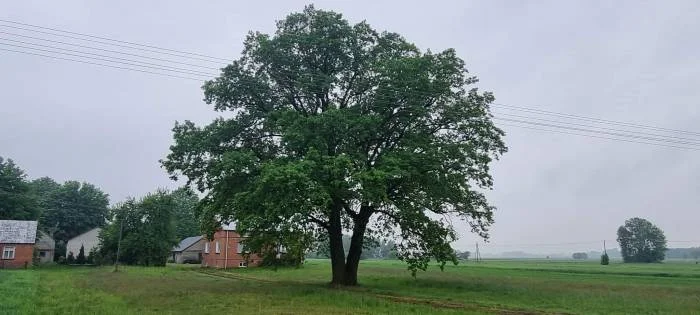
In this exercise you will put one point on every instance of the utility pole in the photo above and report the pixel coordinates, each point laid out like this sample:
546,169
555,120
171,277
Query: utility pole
477,255
119,244
605,251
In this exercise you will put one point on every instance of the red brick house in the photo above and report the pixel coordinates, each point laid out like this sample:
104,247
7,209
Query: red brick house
226,251
17,240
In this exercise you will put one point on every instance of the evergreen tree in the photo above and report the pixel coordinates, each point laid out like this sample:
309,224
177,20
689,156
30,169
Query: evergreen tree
81,256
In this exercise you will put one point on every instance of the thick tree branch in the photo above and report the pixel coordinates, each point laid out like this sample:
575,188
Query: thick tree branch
354,215
320,222
346,94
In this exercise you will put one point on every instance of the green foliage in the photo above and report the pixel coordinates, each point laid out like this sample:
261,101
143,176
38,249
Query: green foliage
285,244
45,189
147,227
348,129
17,202
464,255
186,224
641,241
683,253
36,260
604,259
70,259
81,259
91,257
70,209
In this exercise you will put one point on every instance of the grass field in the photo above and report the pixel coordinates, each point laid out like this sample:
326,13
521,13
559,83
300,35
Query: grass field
497,287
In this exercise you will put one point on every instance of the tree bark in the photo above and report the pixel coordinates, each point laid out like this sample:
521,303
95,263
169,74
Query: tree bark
335,233
355,252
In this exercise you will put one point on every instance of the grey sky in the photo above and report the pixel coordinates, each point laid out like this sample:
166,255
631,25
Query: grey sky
624,60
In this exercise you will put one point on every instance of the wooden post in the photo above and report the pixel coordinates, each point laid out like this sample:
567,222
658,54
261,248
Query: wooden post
226,252
119,245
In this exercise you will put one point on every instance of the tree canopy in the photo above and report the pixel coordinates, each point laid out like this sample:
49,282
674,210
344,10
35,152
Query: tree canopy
147,227
641,241
17,201
70,209
333,127
186,223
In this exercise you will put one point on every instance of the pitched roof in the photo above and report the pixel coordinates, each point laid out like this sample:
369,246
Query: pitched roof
45,242
186,243
17,232
86,232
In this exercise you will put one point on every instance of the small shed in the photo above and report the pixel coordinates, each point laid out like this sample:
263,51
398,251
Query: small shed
189,250
46,247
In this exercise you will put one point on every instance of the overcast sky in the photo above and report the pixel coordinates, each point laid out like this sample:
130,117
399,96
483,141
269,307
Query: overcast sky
633,61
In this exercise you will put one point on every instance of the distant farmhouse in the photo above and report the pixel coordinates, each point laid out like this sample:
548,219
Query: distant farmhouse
88,240
17,239
226,251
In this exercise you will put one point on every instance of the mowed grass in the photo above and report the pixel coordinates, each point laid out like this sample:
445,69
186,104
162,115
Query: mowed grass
498,287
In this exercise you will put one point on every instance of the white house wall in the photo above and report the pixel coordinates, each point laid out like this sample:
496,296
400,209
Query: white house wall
88,239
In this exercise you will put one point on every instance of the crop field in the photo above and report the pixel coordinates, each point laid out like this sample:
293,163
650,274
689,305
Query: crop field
488,287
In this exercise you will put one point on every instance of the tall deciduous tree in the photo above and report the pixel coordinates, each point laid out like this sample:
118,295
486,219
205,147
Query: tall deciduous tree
186,224
349,129
147,228
71,209
17,202
641,241
45,189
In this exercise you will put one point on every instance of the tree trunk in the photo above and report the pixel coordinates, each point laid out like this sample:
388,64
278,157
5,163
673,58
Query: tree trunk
335,233
354,254
358,236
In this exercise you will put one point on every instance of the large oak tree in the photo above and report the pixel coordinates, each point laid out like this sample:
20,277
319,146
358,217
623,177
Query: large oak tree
333,128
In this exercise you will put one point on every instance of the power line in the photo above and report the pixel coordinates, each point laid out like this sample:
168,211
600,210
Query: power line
113,44
114,40
600,120
598,131
107,60
520,126
109,50
695,140
130,62
599,137
100,64
105,56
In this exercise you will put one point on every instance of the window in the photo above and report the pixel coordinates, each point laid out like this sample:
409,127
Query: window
240,249
42,254
8,252
206,248
242,264
218,250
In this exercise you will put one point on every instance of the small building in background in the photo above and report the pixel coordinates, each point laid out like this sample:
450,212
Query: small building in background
46,247
17,239
88,240
226,251
189,250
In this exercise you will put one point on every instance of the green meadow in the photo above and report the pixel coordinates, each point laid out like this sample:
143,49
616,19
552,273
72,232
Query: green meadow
488,287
